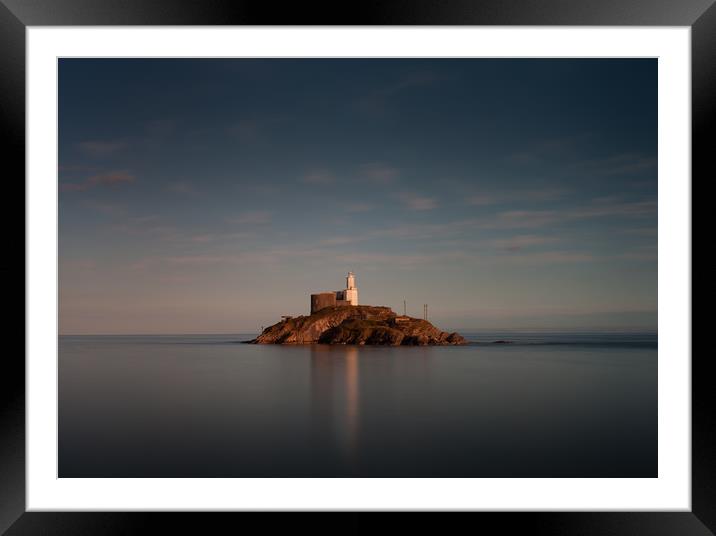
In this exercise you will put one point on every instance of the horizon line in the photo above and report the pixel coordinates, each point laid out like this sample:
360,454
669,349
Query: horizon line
473,330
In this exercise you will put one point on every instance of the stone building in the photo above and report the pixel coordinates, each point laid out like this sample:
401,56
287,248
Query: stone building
347,296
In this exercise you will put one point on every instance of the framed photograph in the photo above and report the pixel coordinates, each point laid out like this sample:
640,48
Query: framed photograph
435,259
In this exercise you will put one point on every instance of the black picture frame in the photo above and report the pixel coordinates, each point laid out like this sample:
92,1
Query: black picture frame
16,15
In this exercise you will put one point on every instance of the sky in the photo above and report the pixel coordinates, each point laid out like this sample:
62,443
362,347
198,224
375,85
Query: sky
215,195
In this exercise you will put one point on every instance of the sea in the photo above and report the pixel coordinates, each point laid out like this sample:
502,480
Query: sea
508,404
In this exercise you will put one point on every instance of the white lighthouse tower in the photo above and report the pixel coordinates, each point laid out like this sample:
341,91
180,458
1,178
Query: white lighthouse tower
351,292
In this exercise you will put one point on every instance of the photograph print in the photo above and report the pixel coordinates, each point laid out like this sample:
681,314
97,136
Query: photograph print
357,267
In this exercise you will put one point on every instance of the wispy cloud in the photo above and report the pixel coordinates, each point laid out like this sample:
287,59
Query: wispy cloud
146,226
518,243
547,257
424,231
181,187
568,154
549,149
469,231
108,209
359,207
481,200
401,232
620,164
376,101
380,173
517,196
76,168
417,202
543,194
538,218
339,240
255,129
406,261
526,218
252,217
651,232
318,177
273,255
97,148
201,238
110,178
641,253
200,260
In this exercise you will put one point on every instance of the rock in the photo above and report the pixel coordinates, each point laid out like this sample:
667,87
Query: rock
360,325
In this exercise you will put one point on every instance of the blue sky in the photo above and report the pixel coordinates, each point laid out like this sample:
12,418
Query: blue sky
201,196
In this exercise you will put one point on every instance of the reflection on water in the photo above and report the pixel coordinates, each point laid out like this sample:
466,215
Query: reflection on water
335,397
352,395
207,407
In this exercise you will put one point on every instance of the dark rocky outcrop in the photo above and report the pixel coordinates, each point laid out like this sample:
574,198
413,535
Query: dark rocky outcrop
361,324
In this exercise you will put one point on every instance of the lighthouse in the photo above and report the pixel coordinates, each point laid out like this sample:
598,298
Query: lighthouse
339,298
351,292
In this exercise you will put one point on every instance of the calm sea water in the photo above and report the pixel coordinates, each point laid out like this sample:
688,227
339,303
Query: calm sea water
545,405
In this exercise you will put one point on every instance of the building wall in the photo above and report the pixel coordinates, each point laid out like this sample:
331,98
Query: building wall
322,300
351,296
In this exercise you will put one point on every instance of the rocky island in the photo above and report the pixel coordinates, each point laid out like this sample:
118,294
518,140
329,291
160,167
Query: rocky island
356,324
